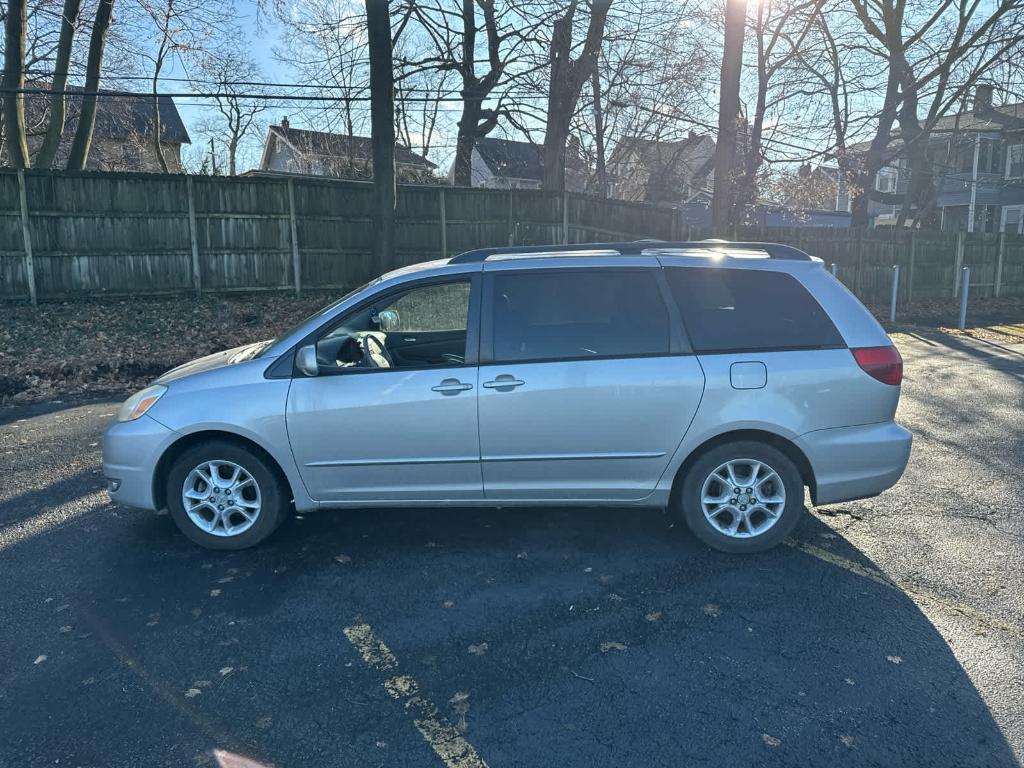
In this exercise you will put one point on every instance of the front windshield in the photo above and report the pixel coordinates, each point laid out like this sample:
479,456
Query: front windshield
319,313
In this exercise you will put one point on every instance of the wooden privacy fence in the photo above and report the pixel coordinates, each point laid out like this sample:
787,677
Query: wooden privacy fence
66,234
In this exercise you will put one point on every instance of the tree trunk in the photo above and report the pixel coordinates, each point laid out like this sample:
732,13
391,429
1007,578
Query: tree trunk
567,78
875,157
55,126
157,145
13,81
462,169
602,169
382,128
728,115
87,119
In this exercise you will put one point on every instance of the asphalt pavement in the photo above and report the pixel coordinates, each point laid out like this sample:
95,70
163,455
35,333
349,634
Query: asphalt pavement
887,632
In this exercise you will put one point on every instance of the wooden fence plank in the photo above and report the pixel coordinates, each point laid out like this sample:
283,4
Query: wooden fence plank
148,233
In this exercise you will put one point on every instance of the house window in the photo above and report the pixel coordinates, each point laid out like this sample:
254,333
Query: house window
1015,161
885,181
1013,219
990,158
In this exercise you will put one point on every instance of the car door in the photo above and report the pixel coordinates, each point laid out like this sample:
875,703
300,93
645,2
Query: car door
406,432
587,385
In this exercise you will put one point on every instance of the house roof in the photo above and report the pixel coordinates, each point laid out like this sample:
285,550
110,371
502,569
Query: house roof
652,152
511,159
341,145
118,116
1005,117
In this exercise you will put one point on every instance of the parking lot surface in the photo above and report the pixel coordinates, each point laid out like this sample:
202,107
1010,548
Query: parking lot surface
887,632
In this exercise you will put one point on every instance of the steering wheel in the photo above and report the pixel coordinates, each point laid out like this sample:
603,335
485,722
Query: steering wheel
375,354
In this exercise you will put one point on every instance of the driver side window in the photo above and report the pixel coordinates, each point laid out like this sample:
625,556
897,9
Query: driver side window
422,327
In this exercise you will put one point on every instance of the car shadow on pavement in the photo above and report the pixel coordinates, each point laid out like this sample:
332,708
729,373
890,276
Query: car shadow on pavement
546,636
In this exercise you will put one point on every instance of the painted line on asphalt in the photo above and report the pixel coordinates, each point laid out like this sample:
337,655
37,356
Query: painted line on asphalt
917,594
443,737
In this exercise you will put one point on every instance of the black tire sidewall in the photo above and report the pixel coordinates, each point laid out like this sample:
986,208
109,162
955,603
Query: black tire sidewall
690,496
272,512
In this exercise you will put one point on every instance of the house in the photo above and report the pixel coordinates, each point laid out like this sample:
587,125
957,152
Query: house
977,158
318,153
123,134
648,170
507,164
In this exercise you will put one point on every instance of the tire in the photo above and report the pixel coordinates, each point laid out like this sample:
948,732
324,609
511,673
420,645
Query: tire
231,529
760,526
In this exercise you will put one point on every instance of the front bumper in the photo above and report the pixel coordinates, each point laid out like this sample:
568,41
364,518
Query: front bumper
131,450
856,462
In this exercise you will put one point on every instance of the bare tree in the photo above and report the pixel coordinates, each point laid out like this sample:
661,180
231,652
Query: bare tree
567,76
779,29
87,116
182,29
326,50
62,66
382,128
501,34
14,81
728,114
648,89
238,115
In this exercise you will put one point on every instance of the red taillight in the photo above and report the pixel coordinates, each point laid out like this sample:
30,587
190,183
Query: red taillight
882,363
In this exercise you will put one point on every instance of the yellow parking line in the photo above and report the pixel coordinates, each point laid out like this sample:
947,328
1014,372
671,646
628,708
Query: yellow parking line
443,737
917,594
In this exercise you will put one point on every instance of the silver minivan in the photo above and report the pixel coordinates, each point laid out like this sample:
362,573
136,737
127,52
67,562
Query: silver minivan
716,379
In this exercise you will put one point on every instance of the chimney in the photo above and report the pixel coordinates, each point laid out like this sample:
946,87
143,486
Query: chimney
284,123
983,98
693,135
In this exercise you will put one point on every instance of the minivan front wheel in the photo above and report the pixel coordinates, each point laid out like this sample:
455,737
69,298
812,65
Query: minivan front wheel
223,496
742,497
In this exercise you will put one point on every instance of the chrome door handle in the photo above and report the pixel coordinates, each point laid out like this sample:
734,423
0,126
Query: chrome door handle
451,387
504,383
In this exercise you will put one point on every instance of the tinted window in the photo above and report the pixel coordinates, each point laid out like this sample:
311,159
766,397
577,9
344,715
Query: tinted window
745,309
578,314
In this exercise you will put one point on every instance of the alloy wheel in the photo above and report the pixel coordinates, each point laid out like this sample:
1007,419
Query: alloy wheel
743,498
221,498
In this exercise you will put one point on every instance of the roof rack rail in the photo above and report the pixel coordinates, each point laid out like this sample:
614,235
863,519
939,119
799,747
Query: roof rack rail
634,248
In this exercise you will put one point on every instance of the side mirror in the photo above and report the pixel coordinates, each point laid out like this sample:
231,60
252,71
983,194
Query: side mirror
387,320
305,360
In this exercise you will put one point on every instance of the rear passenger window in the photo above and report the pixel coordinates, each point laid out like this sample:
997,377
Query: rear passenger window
734,310
549,315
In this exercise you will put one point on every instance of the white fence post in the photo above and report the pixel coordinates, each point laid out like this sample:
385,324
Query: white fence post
296,260
442,210
895,291
565,217
30,267
197,275
966,284
1000,249
959,262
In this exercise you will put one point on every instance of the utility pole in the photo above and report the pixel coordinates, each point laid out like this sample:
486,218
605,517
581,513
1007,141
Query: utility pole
382,130
722,204
213,158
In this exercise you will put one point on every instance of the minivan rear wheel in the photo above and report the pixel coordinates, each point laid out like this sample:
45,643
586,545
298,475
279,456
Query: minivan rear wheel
741,497
224,496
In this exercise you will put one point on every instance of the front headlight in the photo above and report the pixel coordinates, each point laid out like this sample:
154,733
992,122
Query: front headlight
137,405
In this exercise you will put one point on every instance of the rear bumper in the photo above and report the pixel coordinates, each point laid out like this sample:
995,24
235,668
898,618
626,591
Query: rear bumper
856,462
131,450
